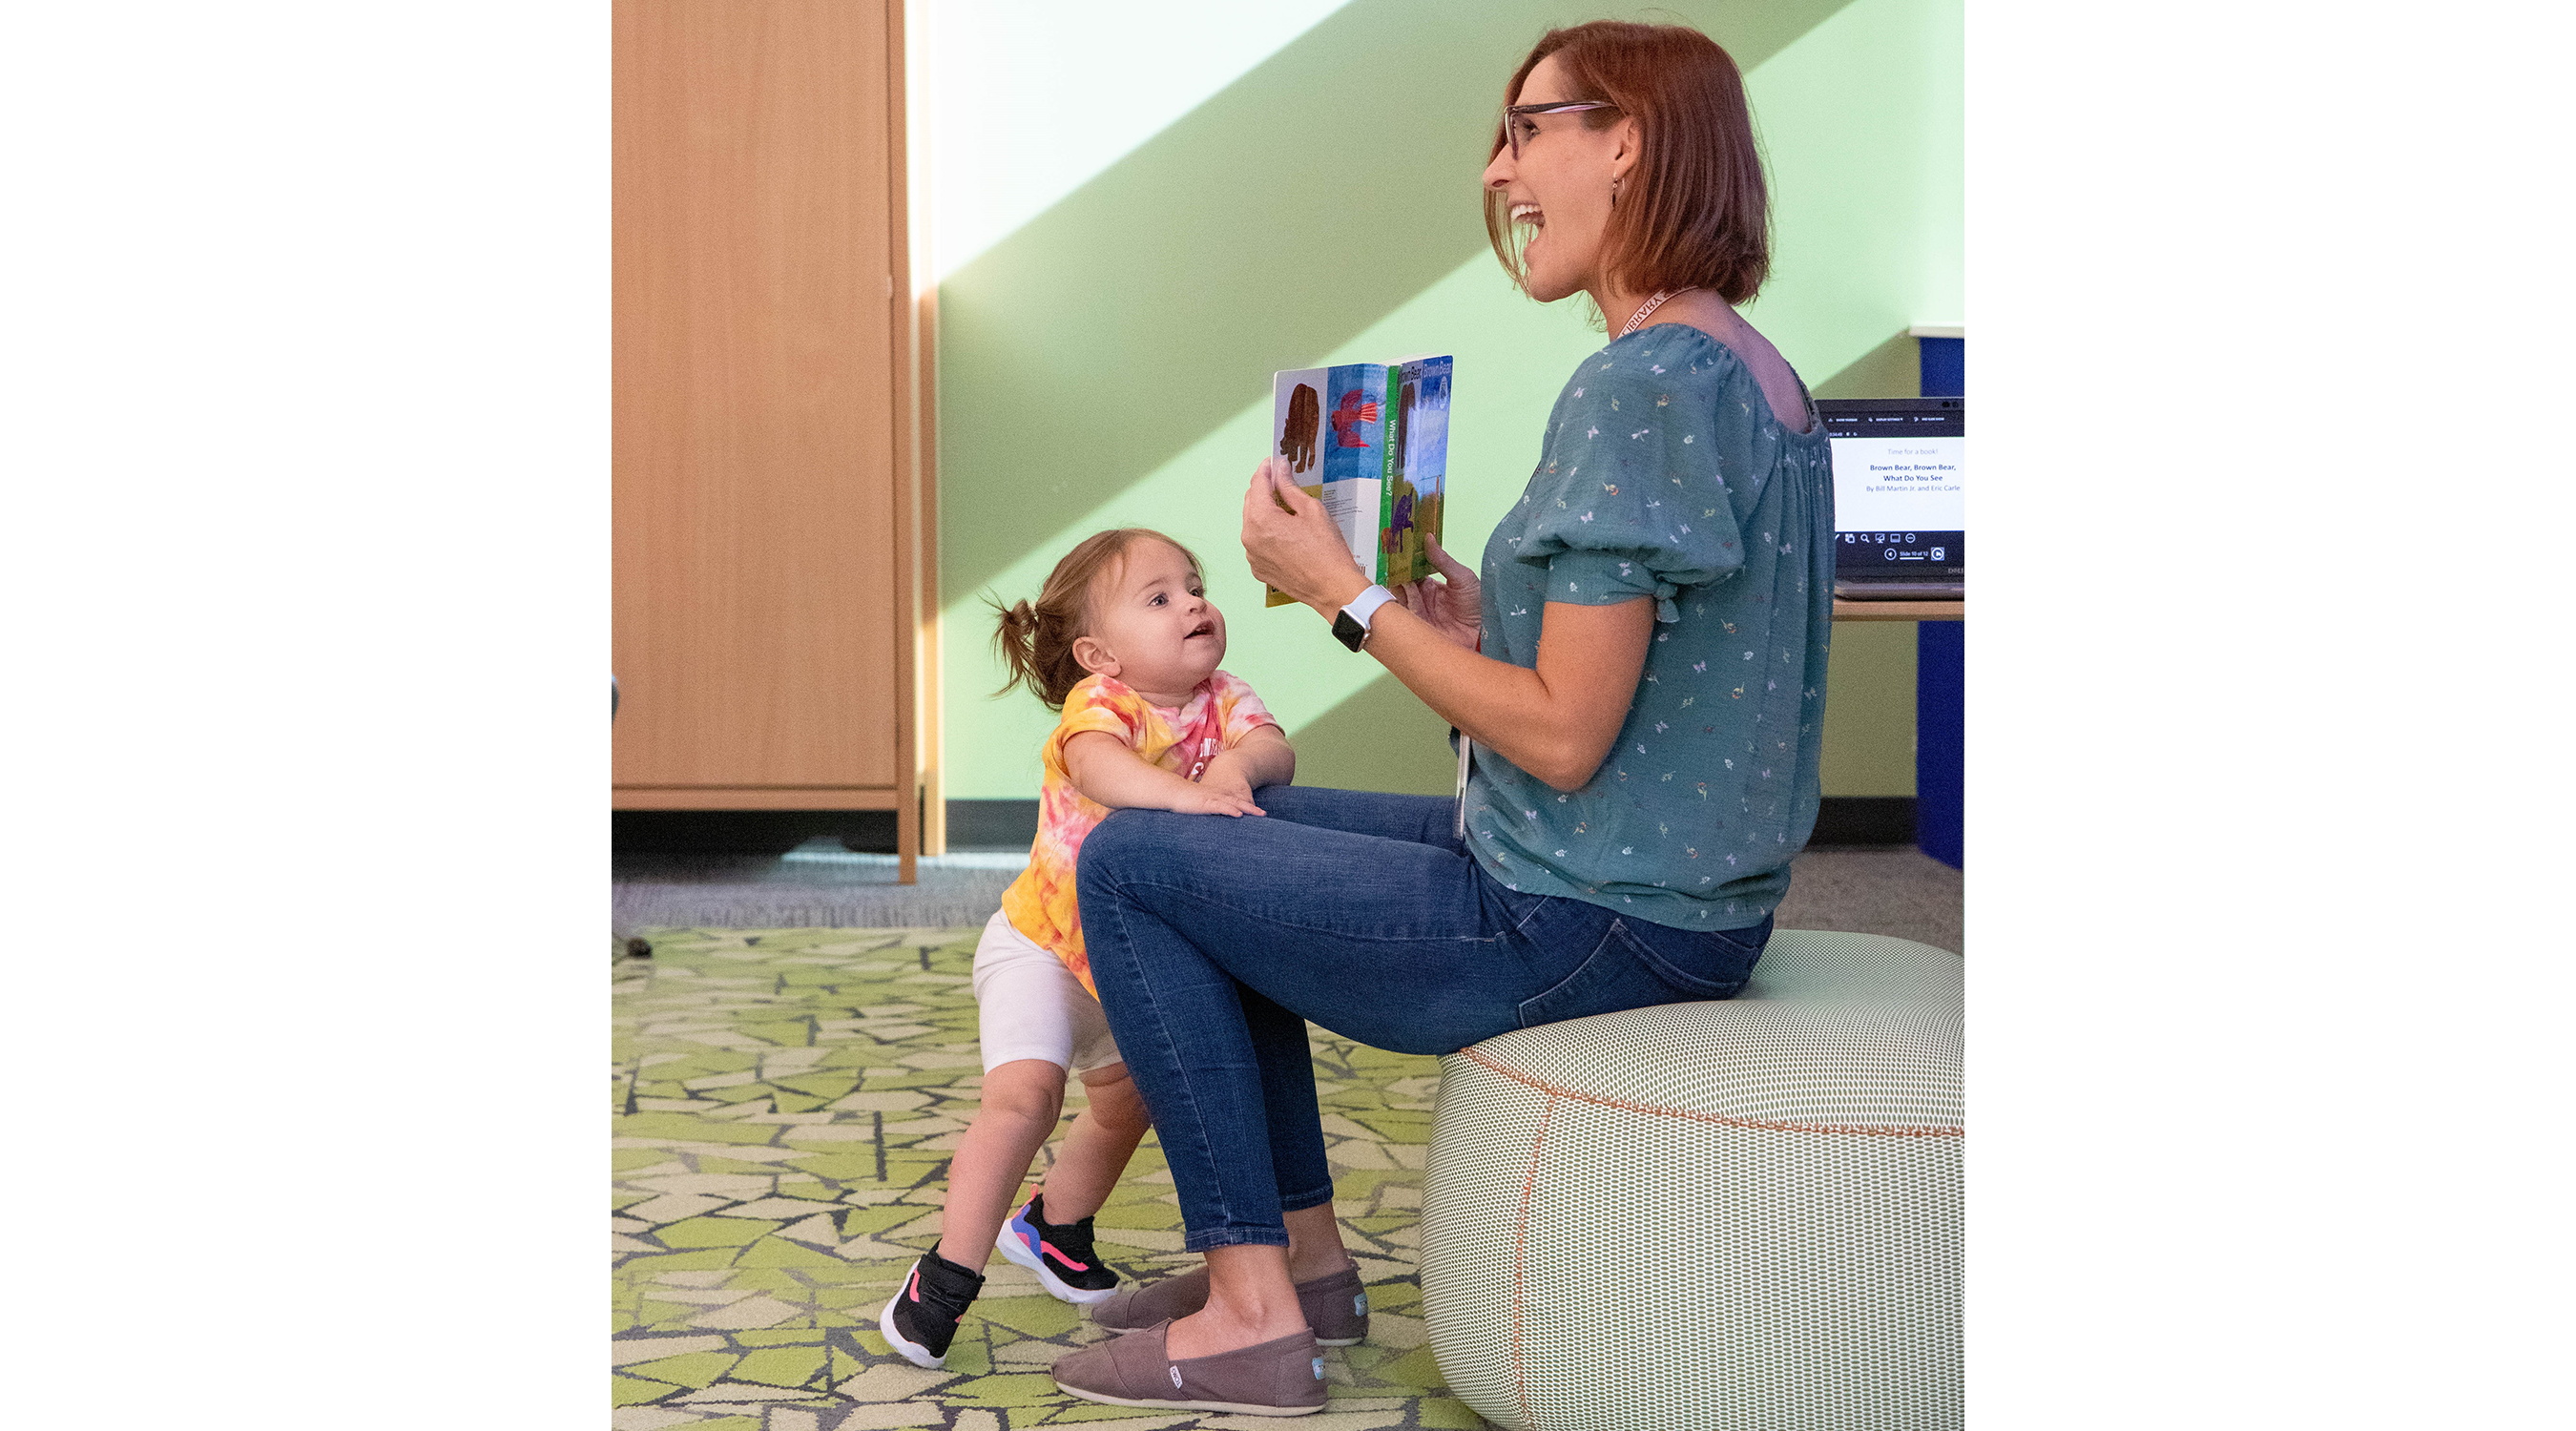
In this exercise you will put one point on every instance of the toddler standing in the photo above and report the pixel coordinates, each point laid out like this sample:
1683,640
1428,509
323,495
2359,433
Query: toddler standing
1124,640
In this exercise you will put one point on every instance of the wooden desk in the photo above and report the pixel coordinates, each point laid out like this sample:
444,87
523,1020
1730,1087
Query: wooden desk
1900,610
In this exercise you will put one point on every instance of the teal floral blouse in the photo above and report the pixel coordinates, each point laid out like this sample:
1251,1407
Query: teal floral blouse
1665,475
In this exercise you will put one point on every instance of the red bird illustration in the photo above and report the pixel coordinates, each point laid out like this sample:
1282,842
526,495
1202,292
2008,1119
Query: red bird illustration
1353,410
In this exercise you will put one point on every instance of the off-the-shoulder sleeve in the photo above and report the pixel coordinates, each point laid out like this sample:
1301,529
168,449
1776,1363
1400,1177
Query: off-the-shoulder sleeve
1097,703
1631,499
1244,712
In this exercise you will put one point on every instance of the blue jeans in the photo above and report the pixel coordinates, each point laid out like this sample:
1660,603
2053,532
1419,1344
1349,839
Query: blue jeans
1214,939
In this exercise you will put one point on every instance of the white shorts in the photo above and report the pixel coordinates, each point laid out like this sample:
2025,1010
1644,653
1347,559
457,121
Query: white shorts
1028,1005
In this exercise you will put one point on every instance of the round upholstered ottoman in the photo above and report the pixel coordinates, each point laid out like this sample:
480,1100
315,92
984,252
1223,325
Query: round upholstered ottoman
1742,1214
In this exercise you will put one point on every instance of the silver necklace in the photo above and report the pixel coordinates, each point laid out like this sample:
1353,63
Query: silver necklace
1661,294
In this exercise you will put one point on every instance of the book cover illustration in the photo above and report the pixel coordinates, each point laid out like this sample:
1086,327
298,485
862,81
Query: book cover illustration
1413,499
1373,441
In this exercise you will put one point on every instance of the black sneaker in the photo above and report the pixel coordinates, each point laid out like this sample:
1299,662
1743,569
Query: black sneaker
920,1319
1060,1253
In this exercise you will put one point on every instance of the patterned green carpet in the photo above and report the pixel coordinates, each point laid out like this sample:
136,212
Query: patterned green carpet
783,1107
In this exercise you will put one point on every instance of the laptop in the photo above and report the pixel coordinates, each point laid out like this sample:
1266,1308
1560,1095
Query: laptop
1899,507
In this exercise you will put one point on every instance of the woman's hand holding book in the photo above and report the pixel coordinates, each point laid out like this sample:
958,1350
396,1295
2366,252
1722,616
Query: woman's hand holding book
1290,543
1454,605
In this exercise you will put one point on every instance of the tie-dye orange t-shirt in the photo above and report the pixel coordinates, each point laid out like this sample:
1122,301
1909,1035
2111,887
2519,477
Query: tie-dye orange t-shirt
1221,712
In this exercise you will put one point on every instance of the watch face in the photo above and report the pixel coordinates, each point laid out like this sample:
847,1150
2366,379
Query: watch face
1351,632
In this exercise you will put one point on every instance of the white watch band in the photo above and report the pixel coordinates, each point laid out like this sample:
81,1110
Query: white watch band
1365,605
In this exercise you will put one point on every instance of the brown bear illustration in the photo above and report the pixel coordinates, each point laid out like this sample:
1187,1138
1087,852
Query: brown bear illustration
1305,418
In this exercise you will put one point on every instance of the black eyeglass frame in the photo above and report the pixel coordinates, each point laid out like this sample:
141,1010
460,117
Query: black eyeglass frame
1511,136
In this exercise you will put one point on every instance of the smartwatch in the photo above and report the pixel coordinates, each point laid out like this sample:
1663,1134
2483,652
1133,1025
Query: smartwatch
1351,626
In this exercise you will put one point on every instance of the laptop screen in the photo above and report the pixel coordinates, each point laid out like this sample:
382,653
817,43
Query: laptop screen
1900,510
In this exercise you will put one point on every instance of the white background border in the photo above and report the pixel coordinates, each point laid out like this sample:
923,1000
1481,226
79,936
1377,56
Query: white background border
307,433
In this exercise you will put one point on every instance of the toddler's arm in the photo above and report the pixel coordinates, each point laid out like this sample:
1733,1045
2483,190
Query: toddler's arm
1108,772
1262,757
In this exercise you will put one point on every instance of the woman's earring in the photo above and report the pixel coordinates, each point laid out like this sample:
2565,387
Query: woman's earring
1614,193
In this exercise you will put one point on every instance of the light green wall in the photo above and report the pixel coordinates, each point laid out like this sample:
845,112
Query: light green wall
1108,362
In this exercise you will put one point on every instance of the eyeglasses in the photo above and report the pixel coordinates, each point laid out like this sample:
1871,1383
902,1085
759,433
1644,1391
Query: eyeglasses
1516,118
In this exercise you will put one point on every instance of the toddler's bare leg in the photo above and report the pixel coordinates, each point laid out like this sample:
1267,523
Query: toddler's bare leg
1022,1099
1096,1151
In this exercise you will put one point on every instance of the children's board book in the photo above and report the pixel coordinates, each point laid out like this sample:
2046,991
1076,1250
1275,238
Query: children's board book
1371,442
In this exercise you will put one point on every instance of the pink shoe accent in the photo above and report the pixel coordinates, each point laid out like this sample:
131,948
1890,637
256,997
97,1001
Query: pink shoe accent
1049,1249
913,1284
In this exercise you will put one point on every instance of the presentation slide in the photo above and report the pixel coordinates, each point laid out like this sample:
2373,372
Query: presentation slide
1899,484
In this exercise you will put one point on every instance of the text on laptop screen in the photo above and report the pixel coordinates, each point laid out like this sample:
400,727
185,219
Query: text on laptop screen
1900,502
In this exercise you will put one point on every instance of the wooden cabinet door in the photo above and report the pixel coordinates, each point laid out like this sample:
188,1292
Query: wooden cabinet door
763,622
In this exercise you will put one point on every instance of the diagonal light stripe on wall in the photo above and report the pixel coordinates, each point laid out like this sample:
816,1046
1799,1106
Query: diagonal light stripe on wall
1108,363
1022,102
1300,205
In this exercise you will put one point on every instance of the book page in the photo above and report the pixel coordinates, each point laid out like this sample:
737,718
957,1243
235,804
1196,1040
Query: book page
1330,424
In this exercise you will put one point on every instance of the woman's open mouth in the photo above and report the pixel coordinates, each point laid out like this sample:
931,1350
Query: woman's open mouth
1529,214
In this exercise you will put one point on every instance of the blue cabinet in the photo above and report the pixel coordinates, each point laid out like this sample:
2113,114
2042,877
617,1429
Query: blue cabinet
1940,691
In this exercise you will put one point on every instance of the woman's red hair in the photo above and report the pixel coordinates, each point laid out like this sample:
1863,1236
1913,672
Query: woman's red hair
1694,212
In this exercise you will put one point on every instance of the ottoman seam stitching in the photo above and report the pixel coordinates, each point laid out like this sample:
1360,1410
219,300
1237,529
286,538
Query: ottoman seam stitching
1520,1245
1935,1130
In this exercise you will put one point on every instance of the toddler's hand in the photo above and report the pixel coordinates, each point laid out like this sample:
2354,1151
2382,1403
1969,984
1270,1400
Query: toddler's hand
1203,801
1224,775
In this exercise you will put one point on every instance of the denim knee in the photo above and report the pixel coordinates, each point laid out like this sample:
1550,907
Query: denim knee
1108,850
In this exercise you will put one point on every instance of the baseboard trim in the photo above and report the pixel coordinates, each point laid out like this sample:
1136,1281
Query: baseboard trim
739,832
972,825
992,824
1864,820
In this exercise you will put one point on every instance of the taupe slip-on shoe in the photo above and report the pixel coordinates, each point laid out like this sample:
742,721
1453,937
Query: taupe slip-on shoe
1275,1378
1336,1307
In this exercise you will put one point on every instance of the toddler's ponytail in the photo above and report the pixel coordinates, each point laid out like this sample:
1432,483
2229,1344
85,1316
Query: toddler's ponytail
1015,641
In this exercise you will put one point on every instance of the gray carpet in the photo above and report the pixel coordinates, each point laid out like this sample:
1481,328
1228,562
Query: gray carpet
1900,891
818,885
